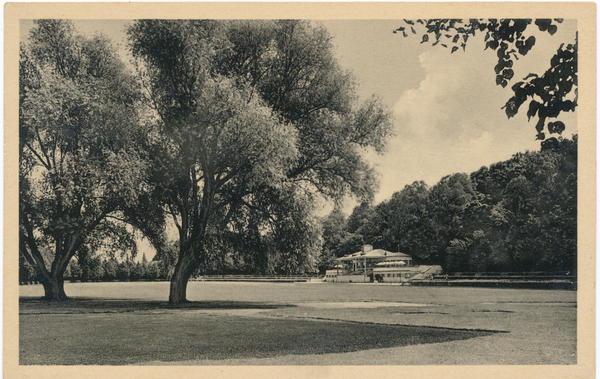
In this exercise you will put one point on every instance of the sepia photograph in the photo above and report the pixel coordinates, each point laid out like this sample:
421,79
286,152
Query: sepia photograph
299,190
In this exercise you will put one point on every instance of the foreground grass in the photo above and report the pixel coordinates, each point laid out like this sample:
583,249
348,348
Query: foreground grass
115,332
296,324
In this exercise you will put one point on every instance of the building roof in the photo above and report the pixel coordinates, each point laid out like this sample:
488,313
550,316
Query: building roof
374,254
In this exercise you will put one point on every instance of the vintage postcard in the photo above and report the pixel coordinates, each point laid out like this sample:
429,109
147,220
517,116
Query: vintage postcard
299,190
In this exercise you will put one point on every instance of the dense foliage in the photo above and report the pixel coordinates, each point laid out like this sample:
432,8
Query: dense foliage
230,132
80,162
517,215
251,120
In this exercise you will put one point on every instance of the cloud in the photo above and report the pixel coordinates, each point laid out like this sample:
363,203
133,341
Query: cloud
452,122
457,98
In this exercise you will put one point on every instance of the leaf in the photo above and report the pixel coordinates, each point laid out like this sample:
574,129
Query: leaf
493,44
540,136
543,23
530,76
559,20
568,106
521,24
425,38
540,124
454,49
499,67
517,88
533,108
508,74
556,127
526,46
552,29
511,107
455,39
413,30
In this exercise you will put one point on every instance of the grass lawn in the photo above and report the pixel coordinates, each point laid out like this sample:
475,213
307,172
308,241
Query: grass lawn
303,323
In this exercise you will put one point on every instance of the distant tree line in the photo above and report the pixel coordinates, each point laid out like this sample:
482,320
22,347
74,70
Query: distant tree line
104,269
516,215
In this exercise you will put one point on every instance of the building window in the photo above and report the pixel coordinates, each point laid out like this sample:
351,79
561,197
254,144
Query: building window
407,276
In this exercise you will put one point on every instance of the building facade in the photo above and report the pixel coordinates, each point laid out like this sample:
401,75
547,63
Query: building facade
377,265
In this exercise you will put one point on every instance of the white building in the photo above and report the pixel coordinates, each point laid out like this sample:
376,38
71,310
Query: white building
380,266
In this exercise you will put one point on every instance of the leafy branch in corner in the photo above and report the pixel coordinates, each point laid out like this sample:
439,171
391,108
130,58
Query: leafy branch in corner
550,94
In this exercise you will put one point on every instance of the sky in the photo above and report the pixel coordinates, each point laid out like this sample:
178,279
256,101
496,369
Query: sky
446,107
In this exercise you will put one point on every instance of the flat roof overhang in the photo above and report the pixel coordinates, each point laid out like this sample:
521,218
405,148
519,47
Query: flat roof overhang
380,255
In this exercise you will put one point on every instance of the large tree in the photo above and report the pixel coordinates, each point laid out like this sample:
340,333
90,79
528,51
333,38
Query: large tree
253,118
79,164
549,94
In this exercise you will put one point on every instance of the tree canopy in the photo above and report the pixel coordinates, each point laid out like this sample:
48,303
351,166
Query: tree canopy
79,160
516,215
251,118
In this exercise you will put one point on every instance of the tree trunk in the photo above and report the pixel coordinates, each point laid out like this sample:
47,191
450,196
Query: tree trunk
183,270
54,288
53,281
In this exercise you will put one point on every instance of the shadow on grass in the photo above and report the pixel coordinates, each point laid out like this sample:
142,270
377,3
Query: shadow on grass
93,331
83,305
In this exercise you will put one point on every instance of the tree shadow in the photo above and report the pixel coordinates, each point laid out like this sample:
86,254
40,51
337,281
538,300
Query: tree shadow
103,331
81,305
